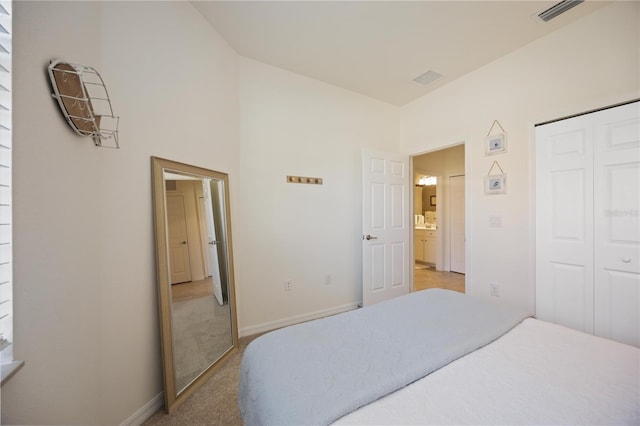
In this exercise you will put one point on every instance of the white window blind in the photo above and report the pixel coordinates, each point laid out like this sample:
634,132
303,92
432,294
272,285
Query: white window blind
6,279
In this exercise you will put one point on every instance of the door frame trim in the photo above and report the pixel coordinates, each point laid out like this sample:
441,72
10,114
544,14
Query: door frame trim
449,210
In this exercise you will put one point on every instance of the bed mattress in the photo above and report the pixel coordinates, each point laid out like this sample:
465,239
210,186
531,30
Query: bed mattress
316,372
537,373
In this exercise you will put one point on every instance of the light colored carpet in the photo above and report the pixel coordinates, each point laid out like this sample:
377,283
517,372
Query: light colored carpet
201,335
214,403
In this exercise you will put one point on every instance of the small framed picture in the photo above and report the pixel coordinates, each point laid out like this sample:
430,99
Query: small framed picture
496,144
495,184
432,200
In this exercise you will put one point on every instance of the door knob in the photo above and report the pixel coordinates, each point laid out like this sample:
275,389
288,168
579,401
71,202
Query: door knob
183,242
626,259
369,237
213,242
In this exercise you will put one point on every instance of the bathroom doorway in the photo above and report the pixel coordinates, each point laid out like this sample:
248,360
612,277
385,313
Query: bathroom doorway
439,218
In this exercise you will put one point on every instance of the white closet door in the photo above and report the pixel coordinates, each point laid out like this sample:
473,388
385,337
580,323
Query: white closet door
564,223
617,227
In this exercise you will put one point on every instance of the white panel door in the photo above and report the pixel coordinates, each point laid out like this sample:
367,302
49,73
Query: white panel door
617,226
564,223
211,250
386,229
457,221
179,263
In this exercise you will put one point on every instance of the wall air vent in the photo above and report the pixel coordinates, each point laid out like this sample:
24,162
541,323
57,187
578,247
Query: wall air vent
558,9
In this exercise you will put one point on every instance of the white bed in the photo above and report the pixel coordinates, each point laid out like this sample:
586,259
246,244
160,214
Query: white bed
537,374
485,364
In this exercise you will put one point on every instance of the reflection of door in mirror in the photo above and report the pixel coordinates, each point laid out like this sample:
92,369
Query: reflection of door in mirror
220,224
207,219
184,226
180,266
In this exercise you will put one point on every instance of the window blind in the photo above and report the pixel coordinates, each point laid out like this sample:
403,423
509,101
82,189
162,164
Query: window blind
6,237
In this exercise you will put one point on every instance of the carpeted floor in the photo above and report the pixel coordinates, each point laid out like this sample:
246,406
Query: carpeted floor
201,334
215,403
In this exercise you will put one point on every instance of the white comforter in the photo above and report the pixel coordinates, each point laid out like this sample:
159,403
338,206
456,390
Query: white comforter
538,373
316,372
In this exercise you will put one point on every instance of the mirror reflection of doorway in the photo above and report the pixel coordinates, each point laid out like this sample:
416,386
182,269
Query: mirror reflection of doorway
439,219
199,303
193,246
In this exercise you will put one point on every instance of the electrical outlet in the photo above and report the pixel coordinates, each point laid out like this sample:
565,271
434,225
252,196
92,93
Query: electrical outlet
494,290
327,279
288,285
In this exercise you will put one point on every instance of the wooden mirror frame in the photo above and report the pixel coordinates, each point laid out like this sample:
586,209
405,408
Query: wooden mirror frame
172,396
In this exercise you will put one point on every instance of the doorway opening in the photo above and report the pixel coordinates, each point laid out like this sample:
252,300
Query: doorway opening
193,221
439,240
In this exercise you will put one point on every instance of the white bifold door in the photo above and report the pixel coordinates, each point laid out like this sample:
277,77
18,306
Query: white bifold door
587,222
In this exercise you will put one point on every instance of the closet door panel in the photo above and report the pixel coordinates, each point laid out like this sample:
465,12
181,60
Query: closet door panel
564,218
571,295
617,316
617,224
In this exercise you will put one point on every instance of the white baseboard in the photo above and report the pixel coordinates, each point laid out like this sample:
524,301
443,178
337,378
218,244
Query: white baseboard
272,325
145,412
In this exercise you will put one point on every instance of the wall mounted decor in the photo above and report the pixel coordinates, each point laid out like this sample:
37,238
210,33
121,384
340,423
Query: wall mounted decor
496,143
495,183
84,102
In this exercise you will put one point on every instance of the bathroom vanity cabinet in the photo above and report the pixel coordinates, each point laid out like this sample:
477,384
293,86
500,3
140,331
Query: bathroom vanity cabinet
424,245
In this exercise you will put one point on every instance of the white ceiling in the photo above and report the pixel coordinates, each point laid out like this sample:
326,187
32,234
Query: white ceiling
377,48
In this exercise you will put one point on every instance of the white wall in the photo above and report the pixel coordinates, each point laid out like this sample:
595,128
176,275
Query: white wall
443,162
86,320
590,63
293,125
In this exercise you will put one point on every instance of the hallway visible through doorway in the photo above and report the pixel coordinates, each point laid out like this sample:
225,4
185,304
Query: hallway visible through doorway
439,208
426,277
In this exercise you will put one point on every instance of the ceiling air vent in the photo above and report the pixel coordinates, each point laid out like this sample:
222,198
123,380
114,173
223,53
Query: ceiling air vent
427,78
558,9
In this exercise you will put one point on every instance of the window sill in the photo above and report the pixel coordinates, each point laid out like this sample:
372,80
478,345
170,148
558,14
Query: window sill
8,366
9,369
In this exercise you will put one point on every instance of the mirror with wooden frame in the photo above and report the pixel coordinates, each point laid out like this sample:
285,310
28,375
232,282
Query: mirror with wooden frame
194,275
